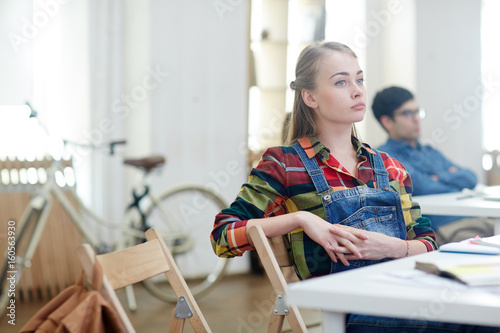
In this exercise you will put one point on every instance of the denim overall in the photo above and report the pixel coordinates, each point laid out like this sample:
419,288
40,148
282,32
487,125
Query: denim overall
360,207
376,210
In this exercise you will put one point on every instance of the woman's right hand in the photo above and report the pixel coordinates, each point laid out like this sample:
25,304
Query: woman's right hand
320,231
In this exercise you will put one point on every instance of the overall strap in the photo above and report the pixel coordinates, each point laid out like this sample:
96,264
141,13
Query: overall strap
379,170
317,175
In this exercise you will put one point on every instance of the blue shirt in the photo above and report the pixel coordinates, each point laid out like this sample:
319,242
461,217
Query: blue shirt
422,163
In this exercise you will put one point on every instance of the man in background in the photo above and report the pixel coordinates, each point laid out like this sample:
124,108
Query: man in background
431,172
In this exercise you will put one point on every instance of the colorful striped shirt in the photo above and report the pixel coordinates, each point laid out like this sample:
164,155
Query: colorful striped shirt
279,184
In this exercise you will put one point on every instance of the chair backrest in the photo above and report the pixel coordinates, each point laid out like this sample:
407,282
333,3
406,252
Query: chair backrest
138,263
279,268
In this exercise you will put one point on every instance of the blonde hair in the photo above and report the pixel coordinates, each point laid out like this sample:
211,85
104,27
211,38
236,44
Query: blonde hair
303,122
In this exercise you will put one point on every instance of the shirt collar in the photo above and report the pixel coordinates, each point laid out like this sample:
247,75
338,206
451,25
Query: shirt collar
312,146
402,144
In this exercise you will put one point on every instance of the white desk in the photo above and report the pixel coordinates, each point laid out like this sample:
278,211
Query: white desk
357,291
460,204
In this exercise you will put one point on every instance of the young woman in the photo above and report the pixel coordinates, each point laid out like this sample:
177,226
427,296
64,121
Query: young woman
341,203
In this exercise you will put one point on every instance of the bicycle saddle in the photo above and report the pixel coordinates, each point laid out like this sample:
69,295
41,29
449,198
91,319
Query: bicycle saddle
146,163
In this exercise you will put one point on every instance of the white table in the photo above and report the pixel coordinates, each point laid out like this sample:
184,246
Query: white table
357,291
460,204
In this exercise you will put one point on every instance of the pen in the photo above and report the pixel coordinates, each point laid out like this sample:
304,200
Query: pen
466,197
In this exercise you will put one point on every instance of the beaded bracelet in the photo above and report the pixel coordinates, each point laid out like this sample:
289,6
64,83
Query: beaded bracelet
407,248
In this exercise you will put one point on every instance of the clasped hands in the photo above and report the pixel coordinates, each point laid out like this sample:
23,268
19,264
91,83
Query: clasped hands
346,243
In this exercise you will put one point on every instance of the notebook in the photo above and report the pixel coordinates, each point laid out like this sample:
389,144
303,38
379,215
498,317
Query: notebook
484,245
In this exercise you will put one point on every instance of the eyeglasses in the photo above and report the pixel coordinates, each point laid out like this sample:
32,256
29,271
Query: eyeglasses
420,112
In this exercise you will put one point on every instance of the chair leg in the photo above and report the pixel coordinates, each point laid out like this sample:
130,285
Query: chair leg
176,324
180,287
275,323
295,320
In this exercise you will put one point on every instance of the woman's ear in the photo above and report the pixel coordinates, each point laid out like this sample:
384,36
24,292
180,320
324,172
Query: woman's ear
309,99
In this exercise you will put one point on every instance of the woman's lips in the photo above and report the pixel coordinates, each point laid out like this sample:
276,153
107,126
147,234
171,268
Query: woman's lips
359,106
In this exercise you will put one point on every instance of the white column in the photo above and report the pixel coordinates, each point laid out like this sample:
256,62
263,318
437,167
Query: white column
390,37
449,78
199,110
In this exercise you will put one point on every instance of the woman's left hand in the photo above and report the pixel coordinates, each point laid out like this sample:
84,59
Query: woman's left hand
376,246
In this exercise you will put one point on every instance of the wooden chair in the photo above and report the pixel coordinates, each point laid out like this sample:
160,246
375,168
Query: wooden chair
279,268
137,263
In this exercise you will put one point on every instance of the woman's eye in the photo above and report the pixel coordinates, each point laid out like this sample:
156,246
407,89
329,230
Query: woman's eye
360,80
341,83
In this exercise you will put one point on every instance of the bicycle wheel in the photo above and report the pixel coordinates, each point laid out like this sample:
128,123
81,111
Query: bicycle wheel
184,217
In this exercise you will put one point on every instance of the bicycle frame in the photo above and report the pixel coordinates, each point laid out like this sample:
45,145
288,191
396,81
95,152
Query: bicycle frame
166,215
175,229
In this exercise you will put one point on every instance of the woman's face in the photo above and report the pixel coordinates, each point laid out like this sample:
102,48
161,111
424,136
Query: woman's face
340,94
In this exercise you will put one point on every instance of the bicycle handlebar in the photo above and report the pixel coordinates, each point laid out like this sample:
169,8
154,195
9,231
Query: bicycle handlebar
112,144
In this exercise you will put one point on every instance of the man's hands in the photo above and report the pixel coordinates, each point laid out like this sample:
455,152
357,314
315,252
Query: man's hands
452,169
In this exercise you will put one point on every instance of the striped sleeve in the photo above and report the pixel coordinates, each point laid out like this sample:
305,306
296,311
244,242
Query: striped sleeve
262,196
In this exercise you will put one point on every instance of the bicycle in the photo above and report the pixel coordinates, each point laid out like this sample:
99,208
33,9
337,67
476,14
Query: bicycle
175,213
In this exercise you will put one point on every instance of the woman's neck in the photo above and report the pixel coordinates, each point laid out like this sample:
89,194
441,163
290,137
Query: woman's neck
339,142
342,149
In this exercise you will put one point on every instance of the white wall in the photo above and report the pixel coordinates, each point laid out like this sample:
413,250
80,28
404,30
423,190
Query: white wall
449,78
433,49
198,116
391,55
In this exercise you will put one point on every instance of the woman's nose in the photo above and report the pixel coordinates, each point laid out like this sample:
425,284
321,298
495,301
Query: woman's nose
357,91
